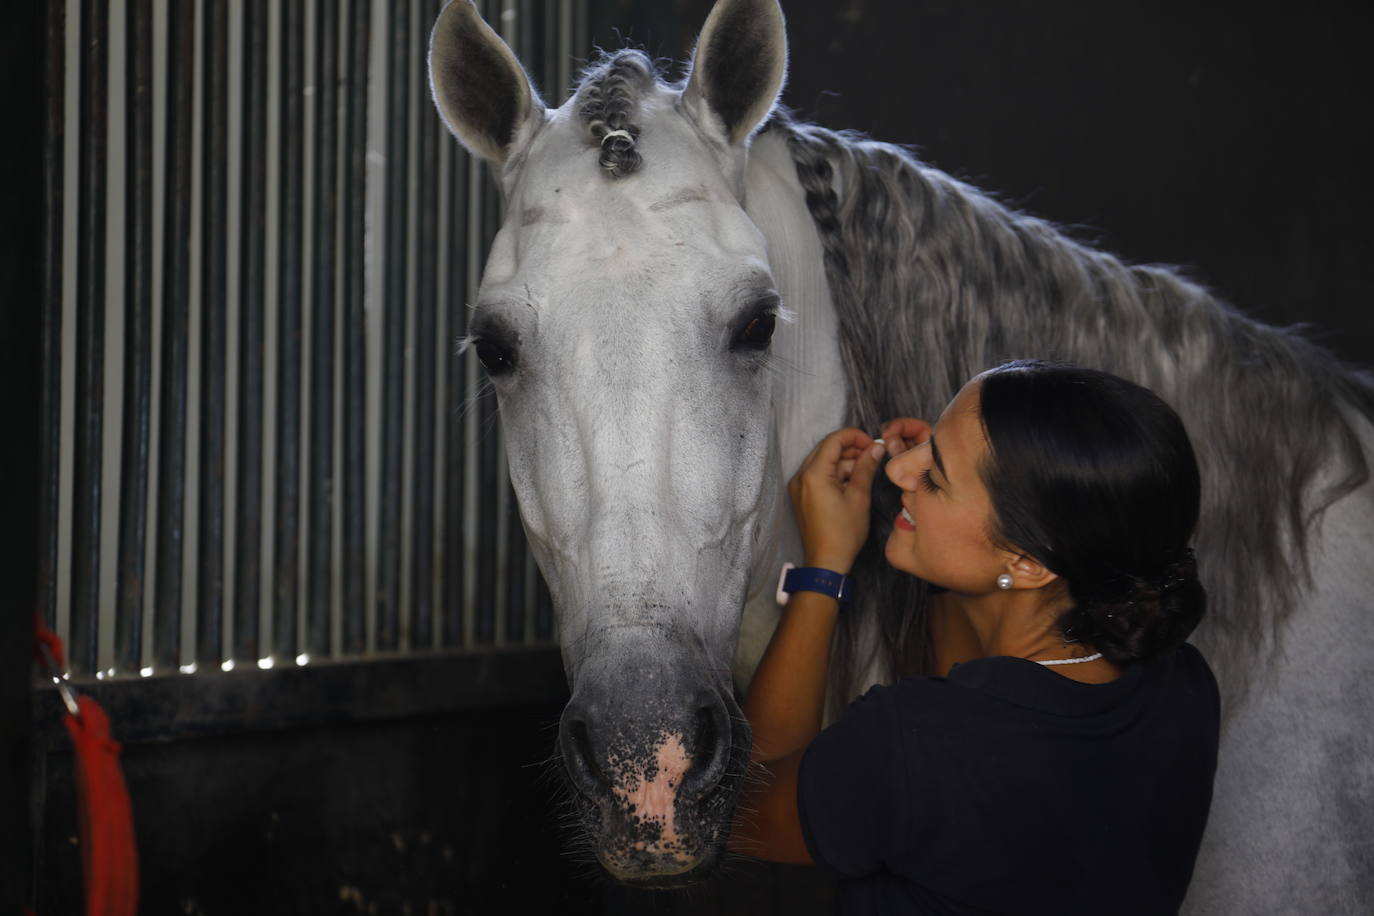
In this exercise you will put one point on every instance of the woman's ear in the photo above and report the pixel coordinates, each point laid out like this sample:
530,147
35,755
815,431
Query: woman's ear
480,89
738,69
1028,572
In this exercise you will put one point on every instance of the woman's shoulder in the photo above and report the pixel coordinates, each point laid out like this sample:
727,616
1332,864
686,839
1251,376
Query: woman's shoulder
1183,678
887,712
1188,657
929,700
1001,688
994,678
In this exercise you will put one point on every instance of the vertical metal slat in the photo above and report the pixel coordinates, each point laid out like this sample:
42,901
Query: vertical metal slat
526,47
176,291
321,512
354,328
547,37
287,540
138,338
54,140
214,305
426,320
90,333
394,333
253,227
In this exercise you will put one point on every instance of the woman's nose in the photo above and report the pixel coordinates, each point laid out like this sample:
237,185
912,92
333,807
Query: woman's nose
904,469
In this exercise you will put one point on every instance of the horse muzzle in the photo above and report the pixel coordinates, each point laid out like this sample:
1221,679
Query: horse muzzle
656,764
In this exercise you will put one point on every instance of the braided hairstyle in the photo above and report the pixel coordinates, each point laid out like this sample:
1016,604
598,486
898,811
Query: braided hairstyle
609,97
1095,477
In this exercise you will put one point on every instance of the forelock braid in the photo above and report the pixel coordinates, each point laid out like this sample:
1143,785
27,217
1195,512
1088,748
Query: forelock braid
610,95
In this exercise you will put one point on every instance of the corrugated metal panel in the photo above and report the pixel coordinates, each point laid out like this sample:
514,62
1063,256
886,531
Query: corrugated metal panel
262,446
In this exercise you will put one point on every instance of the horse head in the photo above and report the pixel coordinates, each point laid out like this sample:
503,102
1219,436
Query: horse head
625,319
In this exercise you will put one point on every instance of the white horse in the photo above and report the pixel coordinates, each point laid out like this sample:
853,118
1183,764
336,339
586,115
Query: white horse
656,237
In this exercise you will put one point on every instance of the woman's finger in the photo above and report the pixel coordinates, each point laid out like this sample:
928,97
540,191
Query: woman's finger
830,450
861,480
908,428
903,433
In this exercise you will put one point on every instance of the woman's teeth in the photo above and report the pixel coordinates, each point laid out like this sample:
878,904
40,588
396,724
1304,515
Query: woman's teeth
907,515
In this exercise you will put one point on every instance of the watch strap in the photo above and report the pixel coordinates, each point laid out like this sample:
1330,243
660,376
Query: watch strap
813,579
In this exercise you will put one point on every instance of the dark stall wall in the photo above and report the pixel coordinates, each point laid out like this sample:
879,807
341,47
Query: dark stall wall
21,201
420,785
1221,137
448,814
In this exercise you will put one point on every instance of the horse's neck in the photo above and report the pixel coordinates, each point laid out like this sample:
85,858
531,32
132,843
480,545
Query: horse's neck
809,392
809,386
939,282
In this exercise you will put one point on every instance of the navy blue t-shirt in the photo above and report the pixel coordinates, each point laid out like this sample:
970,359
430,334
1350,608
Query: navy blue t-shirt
1008,788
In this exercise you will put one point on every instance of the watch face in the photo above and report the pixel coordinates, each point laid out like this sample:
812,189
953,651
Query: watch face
781,596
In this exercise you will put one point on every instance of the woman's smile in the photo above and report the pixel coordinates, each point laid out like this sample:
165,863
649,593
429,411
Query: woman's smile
904,521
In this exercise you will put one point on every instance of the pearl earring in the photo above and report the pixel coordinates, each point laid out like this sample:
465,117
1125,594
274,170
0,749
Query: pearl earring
1004,581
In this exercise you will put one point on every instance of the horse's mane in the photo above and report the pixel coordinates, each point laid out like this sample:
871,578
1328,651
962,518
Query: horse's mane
608,97
935,281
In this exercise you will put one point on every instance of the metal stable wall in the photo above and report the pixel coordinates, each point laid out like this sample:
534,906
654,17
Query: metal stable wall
275,528
262,446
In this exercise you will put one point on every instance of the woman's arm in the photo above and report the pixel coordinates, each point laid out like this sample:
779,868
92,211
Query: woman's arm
830,496
786,699
767,825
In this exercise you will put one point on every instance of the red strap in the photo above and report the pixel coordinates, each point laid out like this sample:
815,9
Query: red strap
45,637
110,856
109,850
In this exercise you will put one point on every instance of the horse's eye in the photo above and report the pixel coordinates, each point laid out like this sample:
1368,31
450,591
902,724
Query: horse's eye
496,359
758,332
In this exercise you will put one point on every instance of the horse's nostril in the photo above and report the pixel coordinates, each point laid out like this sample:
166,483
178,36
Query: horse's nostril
707,733
581,761
710,749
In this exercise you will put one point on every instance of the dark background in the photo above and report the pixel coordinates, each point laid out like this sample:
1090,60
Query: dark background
20,317
1228,138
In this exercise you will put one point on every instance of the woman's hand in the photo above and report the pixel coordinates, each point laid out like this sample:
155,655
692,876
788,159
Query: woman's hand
830,496
904,433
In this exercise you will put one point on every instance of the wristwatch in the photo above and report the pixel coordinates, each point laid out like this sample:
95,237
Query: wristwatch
813,579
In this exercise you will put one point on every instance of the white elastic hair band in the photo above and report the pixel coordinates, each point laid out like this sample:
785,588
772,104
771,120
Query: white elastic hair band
618,133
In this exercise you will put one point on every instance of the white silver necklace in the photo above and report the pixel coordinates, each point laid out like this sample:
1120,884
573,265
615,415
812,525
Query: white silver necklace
1073,661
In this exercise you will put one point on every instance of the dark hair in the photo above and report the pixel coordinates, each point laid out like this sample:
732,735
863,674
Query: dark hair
1095,477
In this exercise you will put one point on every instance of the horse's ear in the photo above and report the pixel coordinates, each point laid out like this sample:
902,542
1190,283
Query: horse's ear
479,87
738,68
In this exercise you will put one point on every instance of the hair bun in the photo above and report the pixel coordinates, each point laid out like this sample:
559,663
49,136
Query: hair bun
1178,573
1128,618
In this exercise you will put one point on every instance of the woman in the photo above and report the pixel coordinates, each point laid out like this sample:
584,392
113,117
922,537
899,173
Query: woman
1062,758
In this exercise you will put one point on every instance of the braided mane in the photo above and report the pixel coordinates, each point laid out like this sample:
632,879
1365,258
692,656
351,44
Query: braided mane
608,99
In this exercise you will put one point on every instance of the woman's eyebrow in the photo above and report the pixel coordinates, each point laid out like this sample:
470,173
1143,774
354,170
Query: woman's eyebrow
935,454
